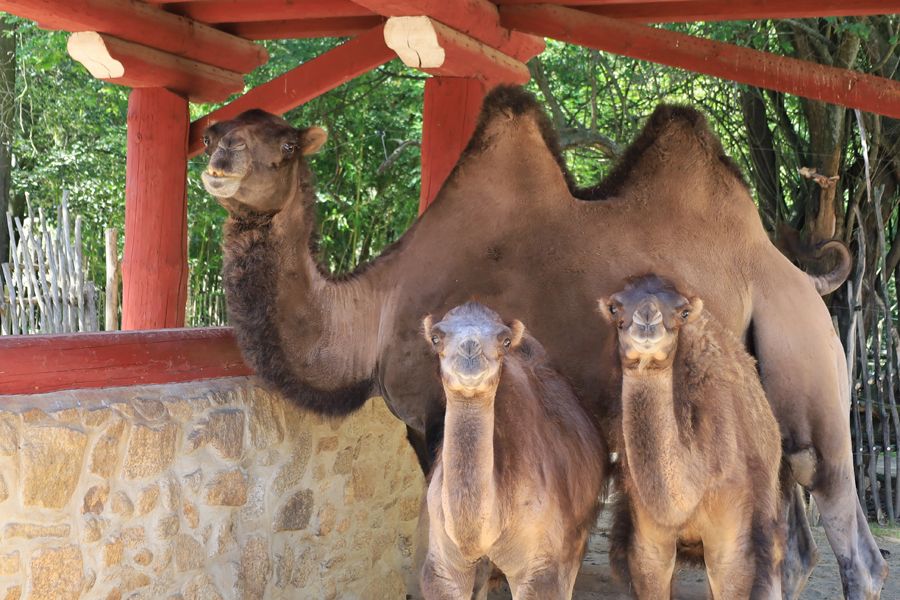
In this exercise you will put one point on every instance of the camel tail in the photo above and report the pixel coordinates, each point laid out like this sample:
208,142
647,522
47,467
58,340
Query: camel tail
828,282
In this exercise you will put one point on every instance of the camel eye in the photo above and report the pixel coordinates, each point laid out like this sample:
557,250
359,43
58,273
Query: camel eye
613,309
507,343
206,141
435,340
685,314
288,148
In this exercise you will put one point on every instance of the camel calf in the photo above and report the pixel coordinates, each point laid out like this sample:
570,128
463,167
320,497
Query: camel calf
519,473
701,449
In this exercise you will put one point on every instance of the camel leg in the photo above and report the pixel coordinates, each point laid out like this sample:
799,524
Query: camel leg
803,370
863,569
728,554
651,559
801,553
550,583
446,579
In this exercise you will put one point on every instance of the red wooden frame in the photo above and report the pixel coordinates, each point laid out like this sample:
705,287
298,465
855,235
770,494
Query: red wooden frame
744,65
48,363
311,79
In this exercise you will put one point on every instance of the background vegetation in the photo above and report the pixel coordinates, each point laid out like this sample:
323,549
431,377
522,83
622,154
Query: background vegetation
61,129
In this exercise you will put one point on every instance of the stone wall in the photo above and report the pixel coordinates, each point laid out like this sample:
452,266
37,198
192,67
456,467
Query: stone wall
213,490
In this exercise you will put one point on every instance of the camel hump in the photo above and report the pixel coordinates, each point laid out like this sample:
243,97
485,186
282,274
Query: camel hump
672,132
828,282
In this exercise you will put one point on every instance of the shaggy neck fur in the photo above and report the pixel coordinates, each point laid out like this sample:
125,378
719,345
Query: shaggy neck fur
469,490
301,332
665,467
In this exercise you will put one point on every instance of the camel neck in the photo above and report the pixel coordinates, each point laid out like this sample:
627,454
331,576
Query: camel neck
311,337
469,495
662,461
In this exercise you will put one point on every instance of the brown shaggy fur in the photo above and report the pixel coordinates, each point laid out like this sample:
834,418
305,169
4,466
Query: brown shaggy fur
548,467
731,442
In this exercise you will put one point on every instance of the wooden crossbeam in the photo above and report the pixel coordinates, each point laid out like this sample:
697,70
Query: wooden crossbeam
136,66
241,11
147,25
744,65
430,46
674,11
303,28
477,19
36,364
301,84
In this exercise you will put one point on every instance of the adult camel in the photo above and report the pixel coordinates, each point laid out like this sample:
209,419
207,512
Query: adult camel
510,229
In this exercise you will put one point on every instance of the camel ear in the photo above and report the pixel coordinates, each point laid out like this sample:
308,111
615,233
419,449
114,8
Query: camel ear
426,328
312,139
696,310
518,332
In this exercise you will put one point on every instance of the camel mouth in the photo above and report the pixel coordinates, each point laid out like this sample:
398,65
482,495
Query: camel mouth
221,185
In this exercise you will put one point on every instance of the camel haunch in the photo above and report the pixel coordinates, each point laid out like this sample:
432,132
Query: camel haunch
510,230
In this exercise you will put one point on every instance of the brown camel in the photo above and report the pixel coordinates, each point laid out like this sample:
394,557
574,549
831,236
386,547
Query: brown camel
702,449
510,228
504,485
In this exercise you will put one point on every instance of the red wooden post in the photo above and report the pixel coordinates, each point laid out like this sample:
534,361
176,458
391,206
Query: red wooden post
451,110
154,268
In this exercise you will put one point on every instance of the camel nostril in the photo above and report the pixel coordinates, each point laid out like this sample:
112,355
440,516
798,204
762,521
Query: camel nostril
470,348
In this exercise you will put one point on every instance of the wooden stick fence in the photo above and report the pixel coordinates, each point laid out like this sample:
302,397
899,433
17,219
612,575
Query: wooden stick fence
44,288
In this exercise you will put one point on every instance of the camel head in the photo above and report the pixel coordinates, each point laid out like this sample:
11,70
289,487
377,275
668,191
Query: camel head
471,341
649,313
254,160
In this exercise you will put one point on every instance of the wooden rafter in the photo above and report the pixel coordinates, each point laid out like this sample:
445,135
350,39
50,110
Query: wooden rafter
237,11
136,66
477,19
430,46
671,11
301,84
36,364
303,28
147,25
744,65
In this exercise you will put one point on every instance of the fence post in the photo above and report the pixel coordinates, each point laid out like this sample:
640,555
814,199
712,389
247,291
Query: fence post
112,279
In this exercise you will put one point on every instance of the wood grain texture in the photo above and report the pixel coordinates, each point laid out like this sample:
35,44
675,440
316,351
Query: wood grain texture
48,363
154,268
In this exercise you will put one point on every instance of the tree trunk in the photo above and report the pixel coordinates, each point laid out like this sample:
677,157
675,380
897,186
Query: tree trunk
7,124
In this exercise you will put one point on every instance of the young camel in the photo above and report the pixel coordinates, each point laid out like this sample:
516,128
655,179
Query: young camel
518,476
702,449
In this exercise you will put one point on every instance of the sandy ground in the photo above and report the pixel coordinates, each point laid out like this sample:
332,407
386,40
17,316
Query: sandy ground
595,581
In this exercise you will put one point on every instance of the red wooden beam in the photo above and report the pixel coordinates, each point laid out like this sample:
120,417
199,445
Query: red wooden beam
240,11
301,84
144,24
39,364
449,117
672,11
154,268
715,10
477,19
124,63
432,47
744,65
304,28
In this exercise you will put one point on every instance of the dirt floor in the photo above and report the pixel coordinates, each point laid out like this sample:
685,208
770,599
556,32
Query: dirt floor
595,581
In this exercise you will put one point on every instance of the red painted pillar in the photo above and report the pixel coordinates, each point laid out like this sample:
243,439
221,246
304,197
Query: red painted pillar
449,116
154,268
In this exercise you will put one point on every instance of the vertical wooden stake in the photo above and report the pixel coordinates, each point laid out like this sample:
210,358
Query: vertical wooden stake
154,268
112,279
449,116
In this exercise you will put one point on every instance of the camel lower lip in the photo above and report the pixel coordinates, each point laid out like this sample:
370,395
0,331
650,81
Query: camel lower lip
223,186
